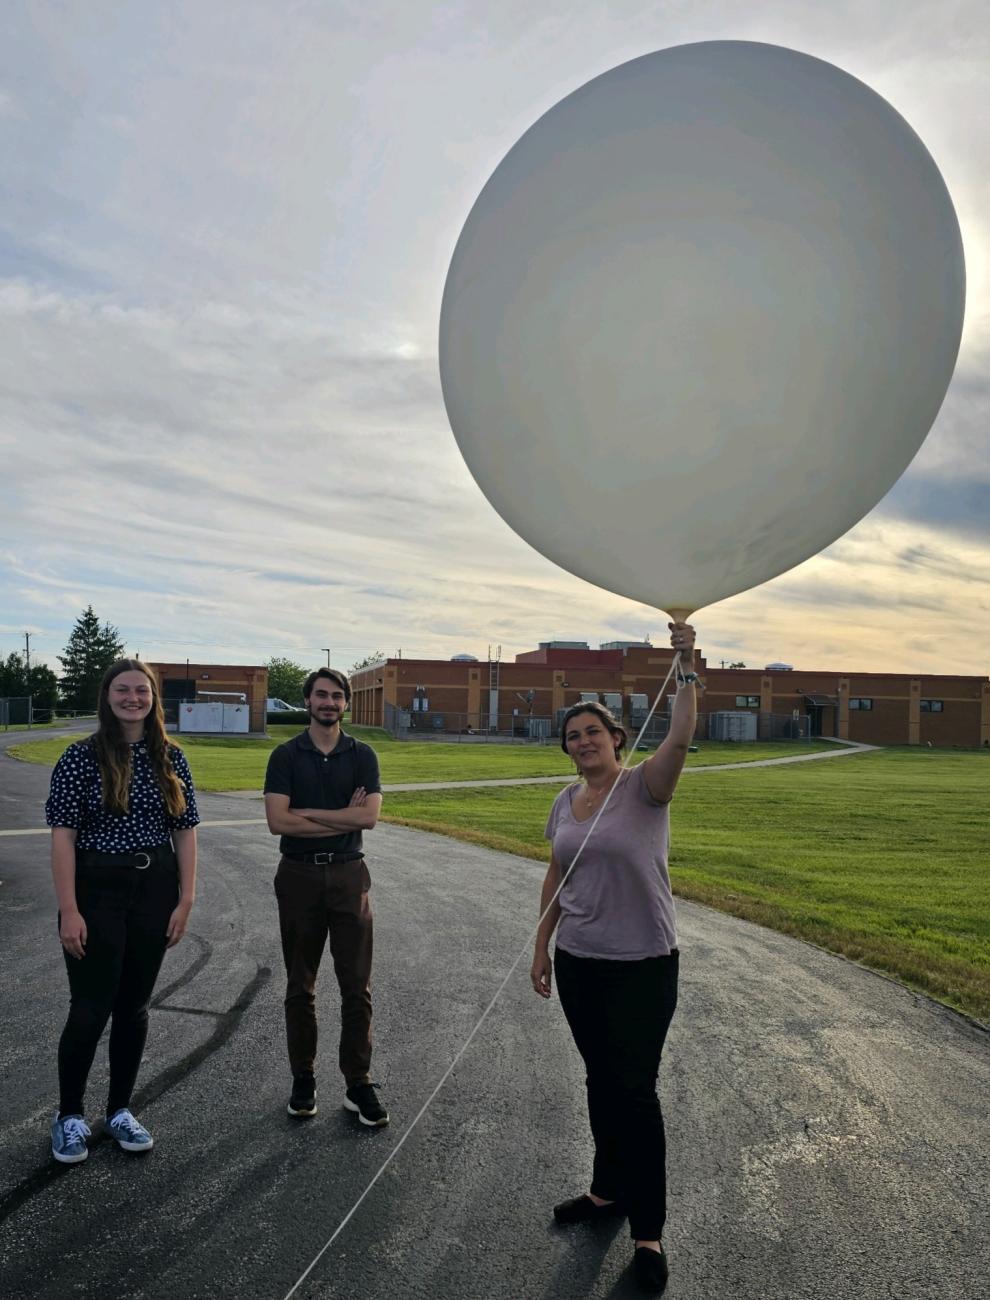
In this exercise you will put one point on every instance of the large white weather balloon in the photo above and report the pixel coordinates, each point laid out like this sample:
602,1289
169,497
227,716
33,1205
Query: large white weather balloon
700,319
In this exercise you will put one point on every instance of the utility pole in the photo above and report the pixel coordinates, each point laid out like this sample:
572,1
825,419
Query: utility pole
27,655
326,651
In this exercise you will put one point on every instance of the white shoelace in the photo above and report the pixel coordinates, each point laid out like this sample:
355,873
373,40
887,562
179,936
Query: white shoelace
125,1120
75,1129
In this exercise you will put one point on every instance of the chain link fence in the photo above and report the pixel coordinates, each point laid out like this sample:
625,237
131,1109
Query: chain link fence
19,711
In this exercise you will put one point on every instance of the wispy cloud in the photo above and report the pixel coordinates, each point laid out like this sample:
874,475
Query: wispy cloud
221,257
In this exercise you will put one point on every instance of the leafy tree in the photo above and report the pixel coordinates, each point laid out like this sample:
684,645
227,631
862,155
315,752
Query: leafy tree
40,683
42,686
12,676
90,651
368,660
285,680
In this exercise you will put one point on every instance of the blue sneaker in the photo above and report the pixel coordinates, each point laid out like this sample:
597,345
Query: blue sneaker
69,1136
129,1134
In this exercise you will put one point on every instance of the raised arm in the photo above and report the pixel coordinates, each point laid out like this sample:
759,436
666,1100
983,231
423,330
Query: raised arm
663,769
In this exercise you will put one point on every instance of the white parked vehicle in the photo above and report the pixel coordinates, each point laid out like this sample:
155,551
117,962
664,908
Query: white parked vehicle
280,706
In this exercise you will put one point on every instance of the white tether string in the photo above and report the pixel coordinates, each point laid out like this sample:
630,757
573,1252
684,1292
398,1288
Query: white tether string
498,993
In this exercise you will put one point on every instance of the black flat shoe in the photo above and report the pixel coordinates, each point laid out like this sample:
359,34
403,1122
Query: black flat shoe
582,1209
650,1269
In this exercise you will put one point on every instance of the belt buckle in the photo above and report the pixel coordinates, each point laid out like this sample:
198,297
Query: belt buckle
322,859
142,866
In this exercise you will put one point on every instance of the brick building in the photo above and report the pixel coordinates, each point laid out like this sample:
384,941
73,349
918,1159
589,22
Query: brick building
442,695
188,681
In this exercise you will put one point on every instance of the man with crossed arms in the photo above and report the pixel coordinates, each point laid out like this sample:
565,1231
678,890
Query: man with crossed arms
322,789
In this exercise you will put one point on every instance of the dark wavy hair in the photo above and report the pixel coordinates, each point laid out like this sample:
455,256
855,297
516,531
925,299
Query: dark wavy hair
603,715
334,674
113,753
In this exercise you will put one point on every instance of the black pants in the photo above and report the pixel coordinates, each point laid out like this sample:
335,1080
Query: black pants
314,903
126,913
619,1013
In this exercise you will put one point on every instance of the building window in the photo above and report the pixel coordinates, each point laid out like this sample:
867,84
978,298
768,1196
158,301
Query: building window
931,706
747,701
857,702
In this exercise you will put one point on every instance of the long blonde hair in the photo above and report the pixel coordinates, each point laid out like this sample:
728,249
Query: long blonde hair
113,753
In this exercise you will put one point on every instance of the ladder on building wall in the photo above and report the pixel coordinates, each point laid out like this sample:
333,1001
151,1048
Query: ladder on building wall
493,665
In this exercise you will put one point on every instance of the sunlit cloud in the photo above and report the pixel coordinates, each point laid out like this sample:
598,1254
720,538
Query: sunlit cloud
222,252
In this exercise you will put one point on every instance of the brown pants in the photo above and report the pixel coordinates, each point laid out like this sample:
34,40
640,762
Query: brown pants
314,902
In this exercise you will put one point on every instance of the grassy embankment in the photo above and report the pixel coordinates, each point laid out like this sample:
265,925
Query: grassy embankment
879,856
222,763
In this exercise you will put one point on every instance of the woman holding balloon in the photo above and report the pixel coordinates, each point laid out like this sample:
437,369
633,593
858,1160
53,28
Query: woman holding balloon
616,955
667,300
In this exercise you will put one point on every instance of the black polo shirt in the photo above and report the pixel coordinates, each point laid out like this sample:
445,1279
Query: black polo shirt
315,780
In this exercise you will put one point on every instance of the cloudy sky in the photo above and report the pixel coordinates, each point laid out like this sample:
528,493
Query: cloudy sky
224,231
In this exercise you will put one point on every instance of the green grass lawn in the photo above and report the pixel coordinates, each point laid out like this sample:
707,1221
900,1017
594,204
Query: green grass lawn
222,763
880,856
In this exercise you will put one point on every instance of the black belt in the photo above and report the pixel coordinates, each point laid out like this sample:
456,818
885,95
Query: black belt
140,859
323,859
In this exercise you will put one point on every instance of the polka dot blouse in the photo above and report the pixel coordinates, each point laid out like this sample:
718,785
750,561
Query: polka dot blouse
76,800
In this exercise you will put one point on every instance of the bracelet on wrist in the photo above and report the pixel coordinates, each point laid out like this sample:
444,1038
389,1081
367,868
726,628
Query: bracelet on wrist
686,679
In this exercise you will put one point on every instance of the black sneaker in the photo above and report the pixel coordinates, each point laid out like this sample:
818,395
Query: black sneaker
363,1101
302,1103
582,1209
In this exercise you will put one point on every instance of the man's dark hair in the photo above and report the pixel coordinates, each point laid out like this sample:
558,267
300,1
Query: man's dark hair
332,673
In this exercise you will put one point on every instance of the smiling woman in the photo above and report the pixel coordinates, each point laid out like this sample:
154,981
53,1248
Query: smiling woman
123,816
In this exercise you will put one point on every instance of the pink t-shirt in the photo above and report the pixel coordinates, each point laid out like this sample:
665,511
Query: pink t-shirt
617,903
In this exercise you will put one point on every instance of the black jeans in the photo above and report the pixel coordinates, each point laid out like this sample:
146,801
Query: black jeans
126,913
619,1013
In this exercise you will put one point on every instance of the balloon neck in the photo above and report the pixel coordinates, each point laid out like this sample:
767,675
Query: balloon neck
680,615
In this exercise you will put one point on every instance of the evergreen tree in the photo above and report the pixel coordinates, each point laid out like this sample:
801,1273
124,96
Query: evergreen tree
90,651
285,680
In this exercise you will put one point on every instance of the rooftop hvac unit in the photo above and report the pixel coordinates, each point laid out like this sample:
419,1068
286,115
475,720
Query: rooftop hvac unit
732,726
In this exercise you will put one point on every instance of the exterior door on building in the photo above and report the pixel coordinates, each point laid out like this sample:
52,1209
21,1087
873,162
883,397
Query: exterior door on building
821,715
173,693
